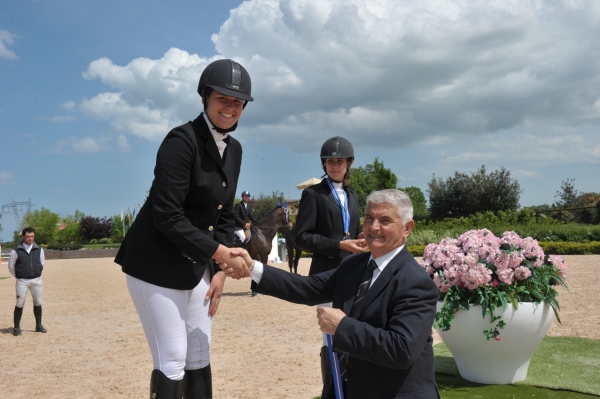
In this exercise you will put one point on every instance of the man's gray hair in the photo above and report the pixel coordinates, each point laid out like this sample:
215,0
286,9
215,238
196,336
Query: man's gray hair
398,199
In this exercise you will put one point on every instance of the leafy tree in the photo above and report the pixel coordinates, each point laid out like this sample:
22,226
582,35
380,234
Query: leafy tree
373,177
117,229
70,227
45,223
463,195
418,200
265,203
95,227
568,196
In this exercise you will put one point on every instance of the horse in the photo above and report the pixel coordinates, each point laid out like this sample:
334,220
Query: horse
293,251
263,232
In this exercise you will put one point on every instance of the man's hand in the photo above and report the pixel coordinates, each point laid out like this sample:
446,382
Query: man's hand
329,319
247,226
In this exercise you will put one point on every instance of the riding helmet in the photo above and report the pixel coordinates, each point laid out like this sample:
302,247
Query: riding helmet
337,147
245,193
227,77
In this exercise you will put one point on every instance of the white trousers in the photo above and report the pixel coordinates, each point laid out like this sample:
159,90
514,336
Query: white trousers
240,233
35,285
176,324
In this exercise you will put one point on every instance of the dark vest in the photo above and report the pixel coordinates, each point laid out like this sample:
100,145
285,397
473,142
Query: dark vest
28,265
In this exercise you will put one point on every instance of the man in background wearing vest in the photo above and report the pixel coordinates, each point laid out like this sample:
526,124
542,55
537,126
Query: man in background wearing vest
26,263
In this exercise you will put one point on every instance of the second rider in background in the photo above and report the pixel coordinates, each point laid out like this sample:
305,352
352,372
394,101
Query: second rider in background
328,222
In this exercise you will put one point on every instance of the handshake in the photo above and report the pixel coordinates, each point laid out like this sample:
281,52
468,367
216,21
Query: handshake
235,262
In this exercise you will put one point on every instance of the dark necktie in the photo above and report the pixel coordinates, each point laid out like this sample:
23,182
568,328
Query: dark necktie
363,287
365,283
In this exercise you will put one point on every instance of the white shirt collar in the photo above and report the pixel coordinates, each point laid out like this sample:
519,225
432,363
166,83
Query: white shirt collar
27,247
383,260
219,137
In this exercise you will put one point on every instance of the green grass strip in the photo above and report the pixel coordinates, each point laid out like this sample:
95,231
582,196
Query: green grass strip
569,364
452,387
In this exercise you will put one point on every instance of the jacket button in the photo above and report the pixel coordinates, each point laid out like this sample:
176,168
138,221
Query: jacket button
224,184
220,207
210,228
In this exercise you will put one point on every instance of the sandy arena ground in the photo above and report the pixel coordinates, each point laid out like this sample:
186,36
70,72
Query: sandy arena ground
262,347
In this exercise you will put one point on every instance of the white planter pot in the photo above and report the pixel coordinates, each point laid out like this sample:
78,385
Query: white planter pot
497,362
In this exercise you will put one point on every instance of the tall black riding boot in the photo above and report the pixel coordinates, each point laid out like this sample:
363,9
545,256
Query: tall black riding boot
325,368
197,384
162,387
18,314
37,312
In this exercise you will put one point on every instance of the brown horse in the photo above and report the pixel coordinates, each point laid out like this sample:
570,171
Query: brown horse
293,251
263,232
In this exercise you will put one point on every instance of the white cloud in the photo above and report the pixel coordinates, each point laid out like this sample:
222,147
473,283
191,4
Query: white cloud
382,73
6,178
69,105
58,118
81,144
7,38
123,143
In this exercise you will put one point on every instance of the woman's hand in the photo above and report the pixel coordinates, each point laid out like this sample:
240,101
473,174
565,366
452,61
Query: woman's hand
234,264
215,290
353,246
243,254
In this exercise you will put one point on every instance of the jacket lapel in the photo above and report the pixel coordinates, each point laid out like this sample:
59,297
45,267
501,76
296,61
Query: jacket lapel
352,286
210,146
381,283
229,164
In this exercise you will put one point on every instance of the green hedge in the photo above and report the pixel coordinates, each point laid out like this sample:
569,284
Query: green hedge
571,248
550,248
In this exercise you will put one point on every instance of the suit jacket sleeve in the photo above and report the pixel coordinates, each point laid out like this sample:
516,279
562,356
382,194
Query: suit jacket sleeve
396,336
304,290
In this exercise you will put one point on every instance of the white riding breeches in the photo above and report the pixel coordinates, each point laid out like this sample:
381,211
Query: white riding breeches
176,324
35,285
240,234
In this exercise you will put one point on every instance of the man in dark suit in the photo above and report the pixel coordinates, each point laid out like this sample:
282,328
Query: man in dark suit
242,213
382,337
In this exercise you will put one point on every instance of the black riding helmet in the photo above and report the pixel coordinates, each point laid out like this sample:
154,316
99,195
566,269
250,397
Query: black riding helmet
227,77
337,147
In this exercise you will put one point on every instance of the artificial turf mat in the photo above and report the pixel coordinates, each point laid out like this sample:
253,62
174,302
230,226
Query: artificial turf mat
560,363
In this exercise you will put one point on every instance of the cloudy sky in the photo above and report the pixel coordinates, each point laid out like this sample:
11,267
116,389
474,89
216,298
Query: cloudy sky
89,89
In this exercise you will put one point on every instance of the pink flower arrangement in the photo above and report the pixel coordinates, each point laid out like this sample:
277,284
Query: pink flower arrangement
480,268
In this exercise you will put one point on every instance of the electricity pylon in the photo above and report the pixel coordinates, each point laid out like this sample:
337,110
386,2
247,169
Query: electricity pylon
16,208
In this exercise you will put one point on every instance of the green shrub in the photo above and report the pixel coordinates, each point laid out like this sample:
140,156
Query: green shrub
416,250
570,248
64,246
